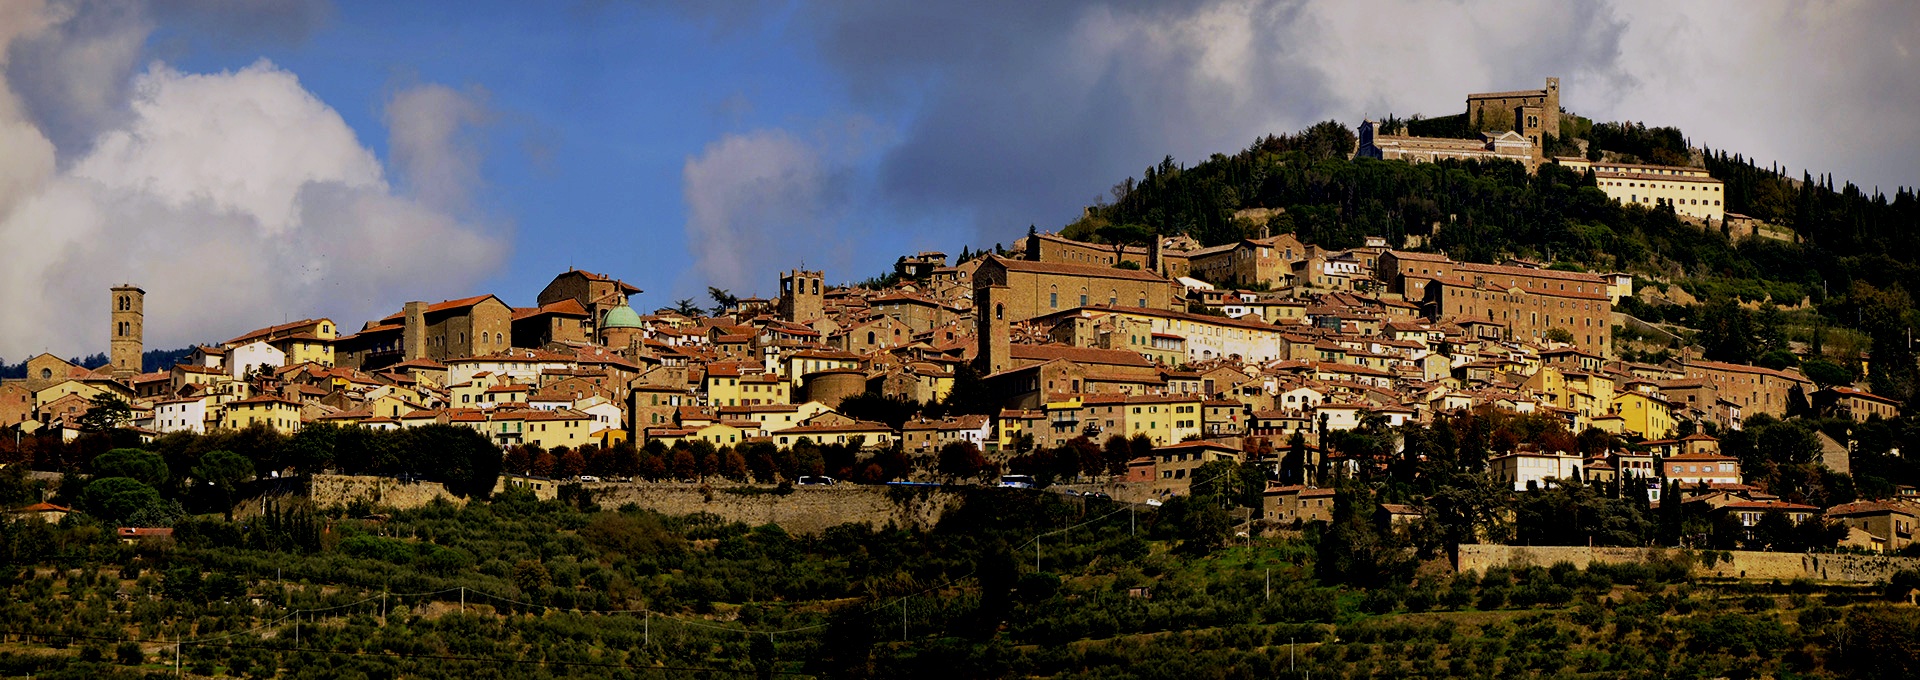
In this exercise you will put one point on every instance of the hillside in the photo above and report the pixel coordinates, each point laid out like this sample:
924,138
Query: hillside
1010,584
1837,260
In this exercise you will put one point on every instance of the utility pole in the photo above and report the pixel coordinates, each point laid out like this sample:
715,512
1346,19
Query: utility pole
1269,584
463,599
646,629
903,619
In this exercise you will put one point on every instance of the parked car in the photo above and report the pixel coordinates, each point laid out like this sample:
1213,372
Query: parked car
589,478
1017,482
816,480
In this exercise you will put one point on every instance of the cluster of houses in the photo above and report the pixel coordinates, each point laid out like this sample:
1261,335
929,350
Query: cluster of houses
1210,353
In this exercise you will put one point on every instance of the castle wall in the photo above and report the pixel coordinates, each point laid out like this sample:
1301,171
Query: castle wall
385,492
807,510
1745,564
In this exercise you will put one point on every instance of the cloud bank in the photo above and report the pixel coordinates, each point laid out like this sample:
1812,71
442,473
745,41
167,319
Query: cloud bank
1021,112
237,199
758,202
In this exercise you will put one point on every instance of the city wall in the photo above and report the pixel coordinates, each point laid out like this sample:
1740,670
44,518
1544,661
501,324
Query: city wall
807,510
1752,565
385,492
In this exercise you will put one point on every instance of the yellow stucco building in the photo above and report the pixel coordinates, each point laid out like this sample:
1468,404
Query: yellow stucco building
1644,414
276,412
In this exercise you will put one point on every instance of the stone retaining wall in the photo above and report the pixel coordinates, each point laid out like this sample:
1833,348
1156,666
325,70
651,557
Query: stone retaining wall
807,510
1744,564
385,492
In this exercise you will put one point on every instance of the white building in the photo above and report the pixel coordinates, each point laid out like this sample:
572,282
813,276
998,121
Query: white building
1691,191
1544,469
523,366
1693,469
251,356
181,415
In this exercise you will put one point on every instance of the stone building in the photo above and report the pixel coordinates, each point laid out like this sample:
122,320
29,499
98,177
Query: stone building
1040,288
561,321
465,327
1502,111
1858,405
1249,262
1754,389
1505,300
597,294
802,298
124,346
1167,256
1491,146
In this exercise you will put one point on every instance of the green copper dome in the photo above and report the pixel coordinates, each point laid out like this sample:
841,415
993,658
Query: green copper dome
621,317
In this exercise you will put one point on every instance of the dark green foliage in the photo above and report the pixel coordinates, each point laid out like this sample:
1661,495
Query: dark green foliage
1827,373
1102,603
105,411
117,499
222,473
136,464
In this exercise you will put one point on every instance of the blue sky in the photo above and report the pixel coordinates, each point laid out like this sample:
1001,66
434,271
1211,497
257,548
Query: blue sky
594,112
256,161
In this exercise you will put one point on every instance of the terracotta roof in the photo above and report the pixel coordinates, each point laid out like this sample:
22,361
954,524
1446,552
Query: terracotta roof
1863,394
437,307
567,307
1083,355
1769,505
1091,271
271,331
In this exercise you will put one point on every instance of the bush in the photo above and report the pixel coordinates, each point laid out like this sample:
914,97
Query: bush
129,654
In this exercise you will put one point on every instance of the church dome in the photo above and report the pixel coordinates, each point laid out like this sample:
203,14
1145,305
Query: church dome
621,317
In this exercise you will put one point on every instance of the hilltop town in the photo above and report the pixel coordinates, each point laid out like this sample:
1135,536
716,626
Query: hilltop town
1496,392
1117,366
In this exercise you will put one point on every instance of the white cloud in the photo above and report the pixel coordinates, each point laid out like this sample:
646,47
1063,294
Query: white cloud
237,199
428,144
1022,112
758,203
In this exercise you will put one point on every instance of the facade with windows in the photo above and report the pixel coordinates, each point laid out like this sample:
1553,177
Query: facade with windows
1691,191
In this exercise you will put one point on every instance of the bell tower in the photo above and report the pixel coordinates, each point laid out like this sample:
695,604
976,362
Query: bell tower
991,328
125,344
801,300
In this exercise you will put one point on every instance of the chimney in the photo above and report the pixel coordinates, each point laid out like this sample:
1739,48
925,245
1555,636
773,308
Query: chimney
413,337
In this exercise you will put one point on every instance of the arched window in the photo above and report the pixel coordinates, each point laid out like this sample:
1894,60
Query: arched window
999,311
869,337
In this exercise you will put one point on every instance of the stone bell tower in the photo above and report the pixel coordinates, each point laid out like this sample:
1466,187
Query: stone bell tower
801,300
125,344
